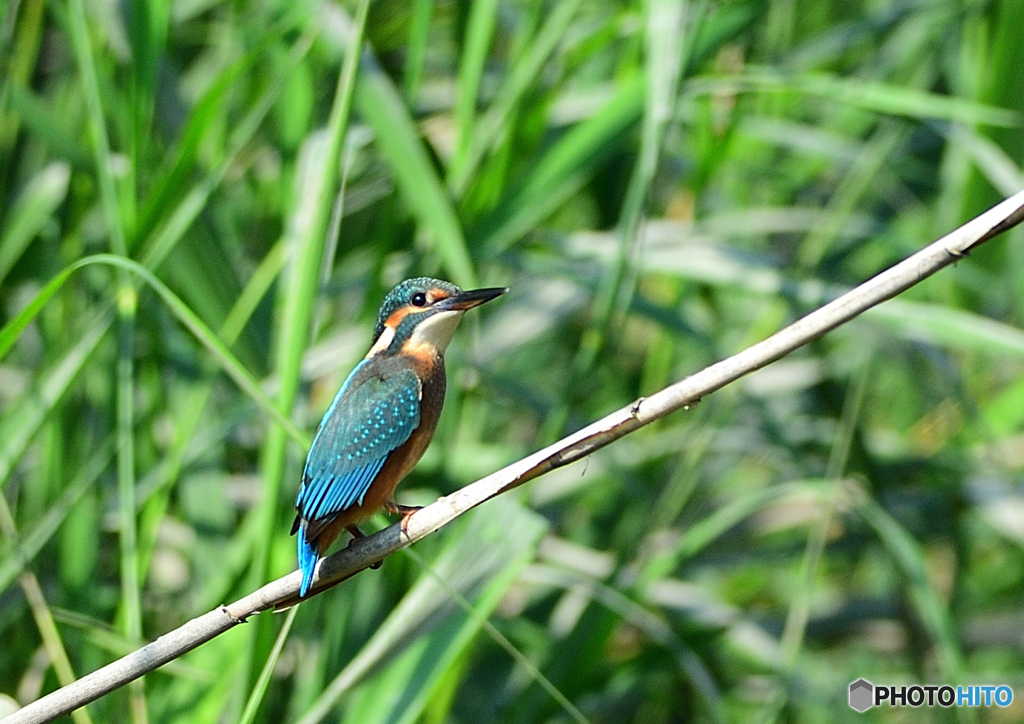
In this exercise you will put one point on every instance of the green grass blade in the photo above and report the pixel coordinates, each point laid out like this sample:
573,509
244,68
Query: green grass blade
305,245
317,187
859,180
173,180
11,331
993,81
995,164
33,208
52,642
79,29
399,142
422,637
882,98
147,25
27,547
259,284
260,690
950,328
925,601
710,528
21,53
563,169
419,39
665,56
167,234
202,332
19,424
475,45
519,81
131,585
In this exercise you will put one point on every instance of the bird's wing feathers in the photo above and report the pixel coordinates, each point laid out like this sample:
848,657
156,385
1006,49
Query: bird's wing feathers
369,419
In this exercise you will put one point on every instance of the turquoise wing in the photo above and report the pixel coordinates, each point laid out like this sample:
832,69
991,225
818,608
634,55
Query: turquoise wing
371,417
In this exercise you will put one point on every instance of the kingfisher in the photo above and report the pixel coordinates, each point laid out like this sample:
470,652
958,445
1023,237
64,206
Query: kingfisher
382,418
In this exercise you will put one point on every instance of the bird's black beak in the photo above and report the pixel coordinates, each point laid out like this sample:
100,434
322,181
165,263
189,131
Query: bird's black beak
473,298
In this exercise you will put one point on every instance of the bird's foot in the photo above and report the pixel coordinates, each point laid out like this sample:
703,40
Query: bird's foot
405,511
356,534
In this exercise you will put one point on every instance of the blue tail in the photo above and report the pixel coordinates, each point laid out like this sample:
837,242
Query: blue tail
307,561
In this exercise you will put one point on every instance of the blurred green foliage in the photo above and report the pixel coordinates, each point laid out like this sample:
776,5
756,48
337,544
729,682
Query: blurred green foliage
660,183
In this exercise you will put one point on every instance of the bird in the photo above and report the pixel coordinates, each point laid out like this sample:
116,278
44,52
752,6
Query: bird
383,417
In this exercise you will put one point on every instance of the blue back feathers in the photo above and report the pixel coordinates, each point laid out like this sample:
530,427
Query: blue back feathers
363,425
373,414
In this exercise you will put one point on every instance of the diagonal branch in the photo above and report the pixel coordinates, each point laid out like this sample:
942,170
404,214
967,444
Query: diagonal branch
366,551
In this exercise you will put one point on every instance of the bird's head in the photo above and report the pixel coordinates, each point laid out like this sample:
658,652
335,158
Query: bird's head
420,315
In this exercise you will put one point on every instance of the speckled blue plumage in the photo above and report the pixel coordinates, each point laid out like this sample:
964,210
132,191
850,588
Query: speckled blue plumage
374,413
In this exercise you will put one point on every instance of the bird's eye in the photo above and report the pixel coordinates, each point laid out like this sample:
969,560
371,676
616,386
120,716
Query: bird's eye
419,299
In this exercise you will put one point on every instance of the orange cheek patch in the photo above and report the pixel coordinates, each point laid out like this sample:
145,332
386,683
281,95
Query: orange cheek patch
390,326
397,316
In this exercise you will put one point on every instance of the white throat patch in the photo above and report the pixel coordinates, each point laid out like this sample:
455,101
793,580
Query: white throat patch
436,331
383,342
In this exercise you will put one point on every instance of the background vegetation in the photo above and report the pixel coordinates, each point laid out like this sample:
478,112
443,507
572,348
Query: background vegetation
660,183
